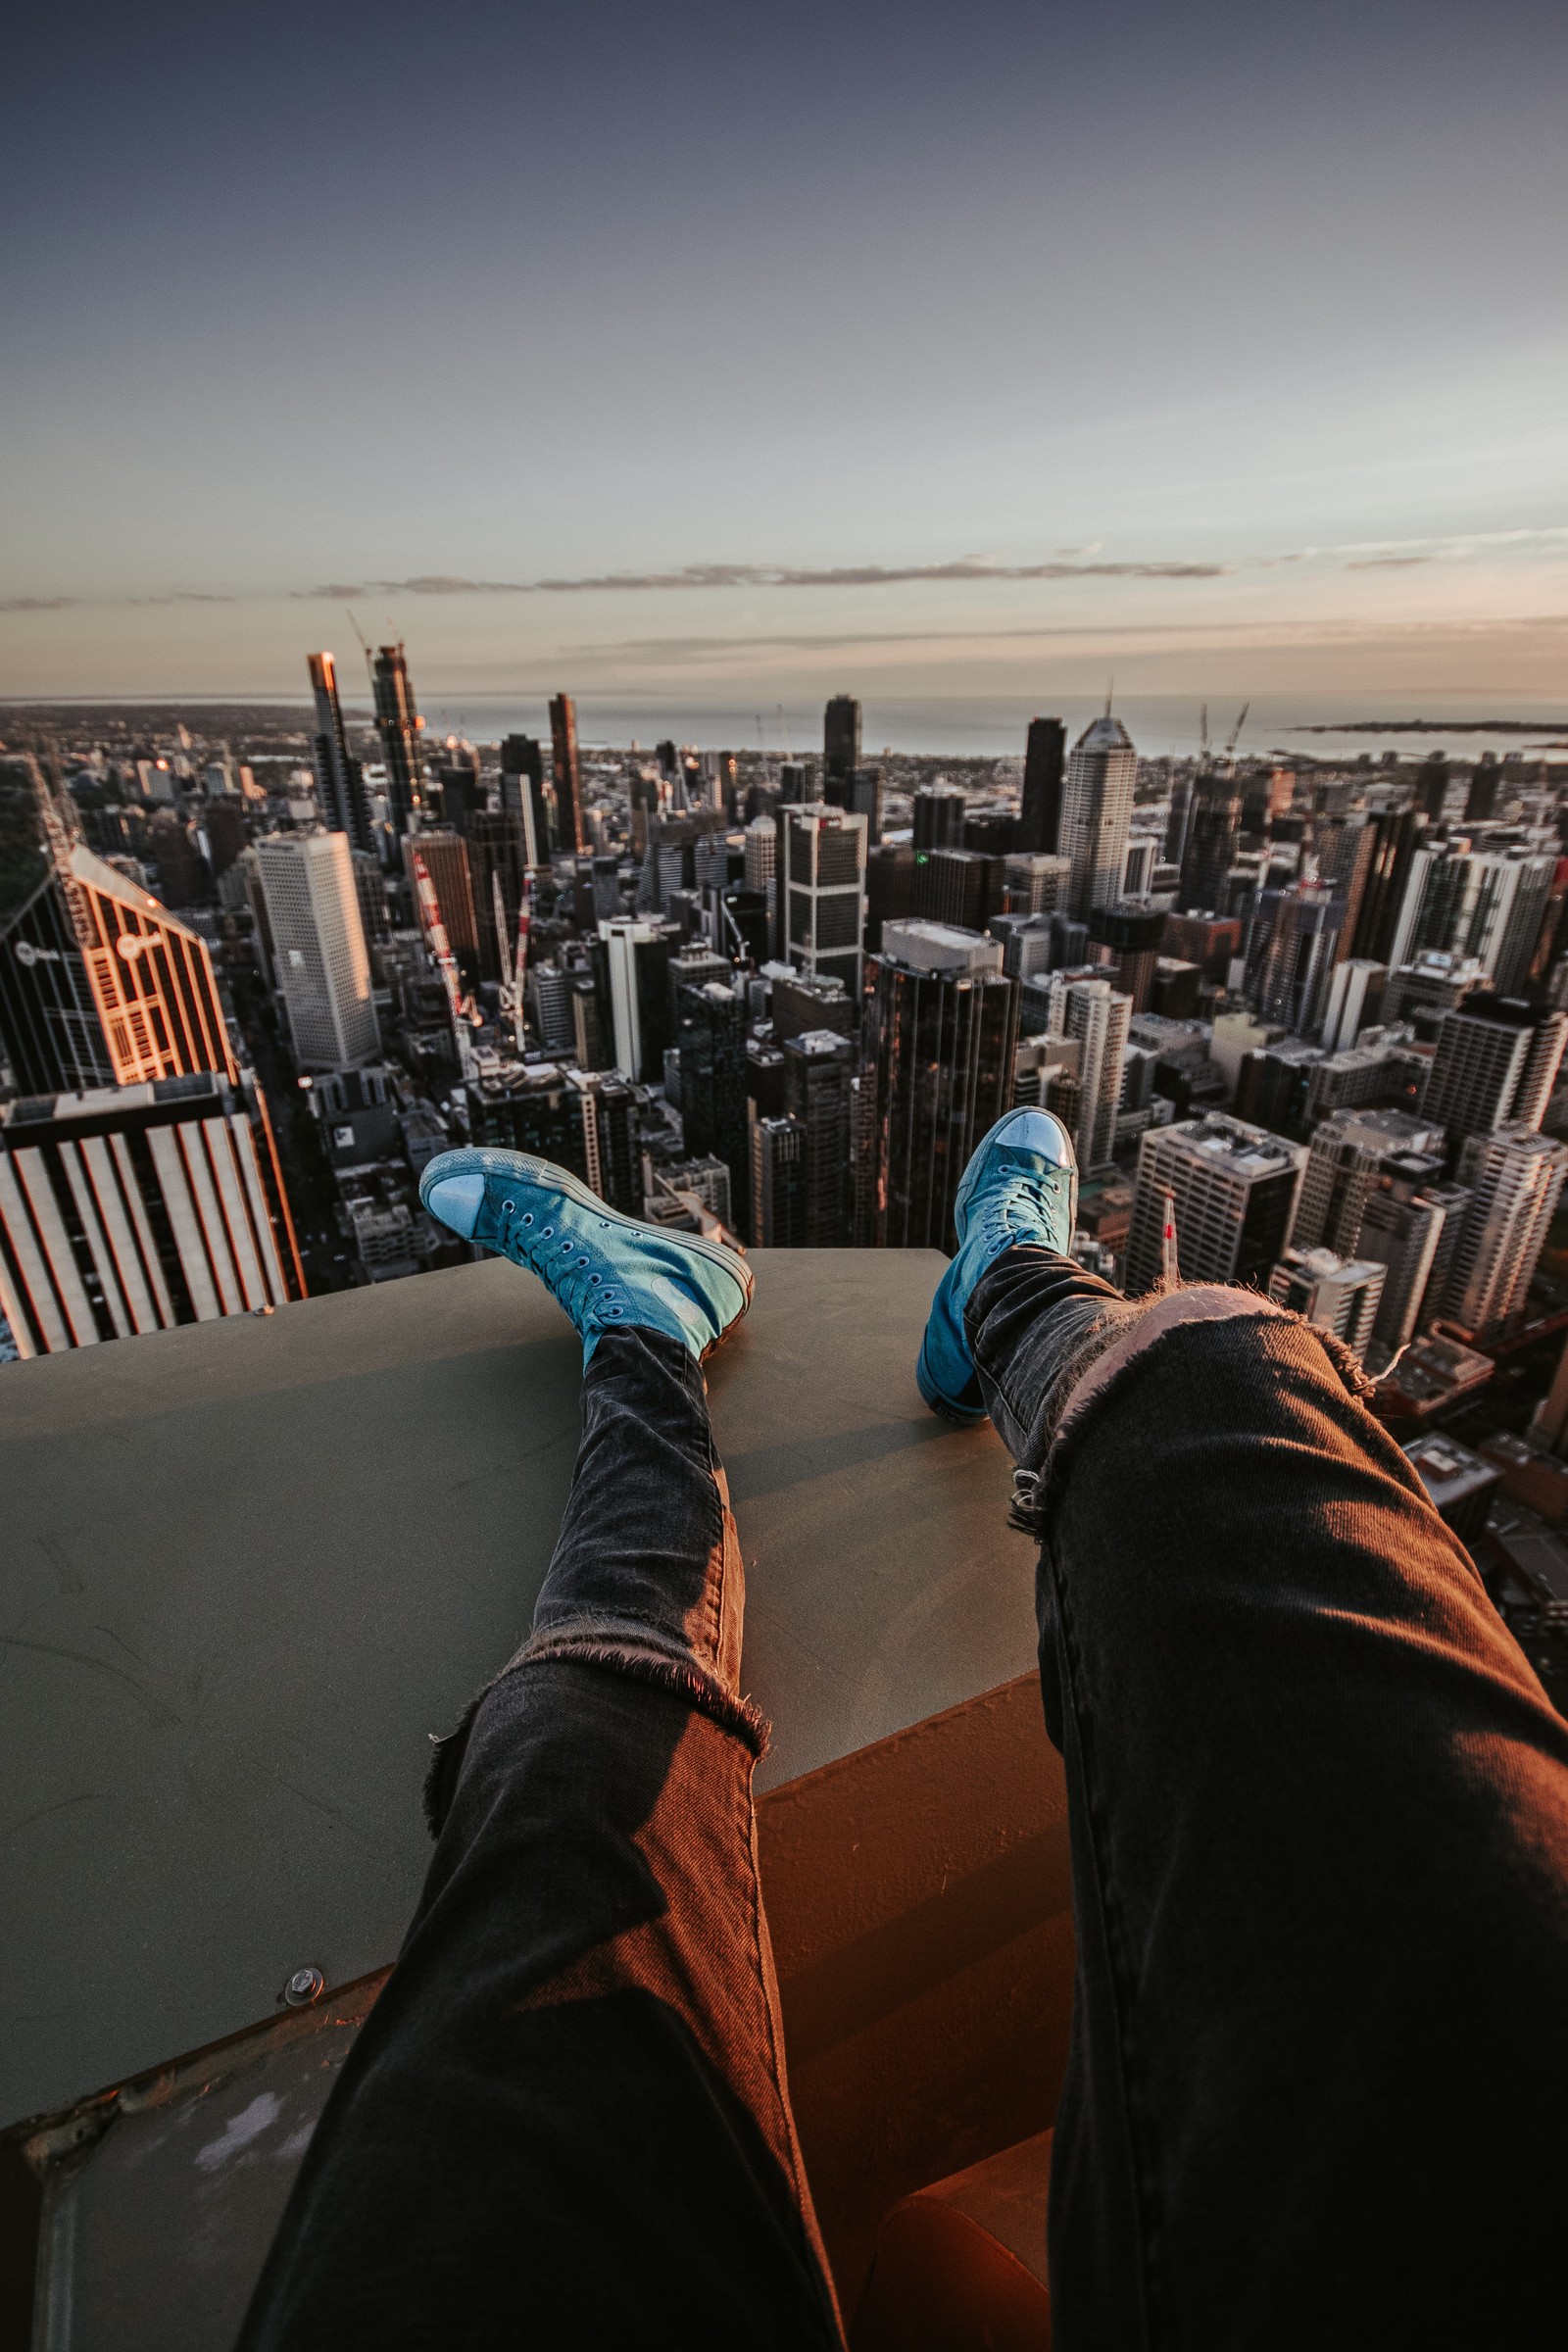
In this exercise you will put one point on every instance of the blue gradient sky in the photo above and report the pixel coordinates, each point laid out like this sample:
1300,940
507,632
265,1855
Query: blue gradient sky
1266,307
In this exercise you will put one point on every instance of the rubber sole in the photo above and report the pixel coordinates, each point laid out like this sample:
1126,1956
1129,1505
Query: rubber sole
484,1159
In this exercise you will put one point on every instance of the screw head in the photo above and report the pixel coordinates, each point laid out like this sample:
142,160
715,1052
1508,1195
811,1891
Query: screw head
305,1986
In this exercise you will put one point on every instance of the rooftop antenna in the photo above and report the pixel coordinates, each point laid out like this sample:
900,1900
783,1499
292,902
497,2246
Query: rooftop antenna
1169,1272
1202,737
1110,689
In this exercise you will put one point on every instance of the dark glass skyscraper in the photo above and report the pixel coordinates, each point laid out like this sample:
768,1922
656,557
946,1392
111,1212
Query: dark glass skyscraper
339,780
567,774
939,1046
1214,840
1045,766
524,794
841,746
398,723
817,1068
712,1038
1396,836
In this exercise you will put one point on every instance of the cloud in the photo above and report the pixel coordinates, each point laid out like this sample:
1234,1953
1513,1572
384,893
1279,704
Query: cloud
1063,563
771,576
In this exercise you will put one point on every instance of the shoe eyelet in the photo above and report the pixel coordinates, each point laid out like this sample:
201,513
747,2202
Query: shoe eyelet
596,1278
545,1232
527,1217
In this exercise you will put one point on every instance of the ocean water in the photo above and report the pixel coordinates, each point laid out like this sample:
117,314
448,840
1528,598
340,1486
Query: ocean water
996,727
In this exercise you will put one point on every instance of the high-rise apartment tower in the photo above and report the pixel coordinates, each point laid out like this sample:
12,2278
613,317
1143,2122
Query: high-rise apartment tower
1234,1187
1097,811
323,972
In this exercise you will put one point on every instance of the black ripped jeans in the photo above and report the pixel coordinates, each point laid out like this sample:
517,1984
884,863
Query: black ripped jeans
1319,1815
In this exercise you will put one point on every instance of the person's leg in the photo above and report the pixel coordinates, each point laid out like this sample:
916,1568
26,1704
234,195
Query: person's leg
1319,1816
565,2120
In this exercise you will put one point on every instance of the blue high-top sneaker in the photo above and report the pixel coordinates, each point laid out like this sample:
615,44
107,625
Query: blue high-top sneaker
607,1270
1021,1185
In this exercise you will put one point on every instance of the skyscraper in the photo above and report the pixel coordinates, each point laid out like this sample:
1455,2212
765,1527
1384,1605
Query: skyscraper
1401,1226
99,984
642,1014
962,887
712,1038
1495,1065
1486,904
610,1150
132,1208
1345,1165
841,748
323,969
778,1181
1044,770
937,813
1396,838
1211,840
1097,811
942,1032
523,795
1097,1016
1134,934
1296,967
398,724
823,888
569,832
817,1069
1515,1177
1235,1189
1356,992
339,780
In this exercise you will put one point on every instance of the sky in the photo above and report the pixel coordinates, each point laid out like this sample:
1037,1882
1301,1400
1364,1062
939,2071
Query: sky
683,350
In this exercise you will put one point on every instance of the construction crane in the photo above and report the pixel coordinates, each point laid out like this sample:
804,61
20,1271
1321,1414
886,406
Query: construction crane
466,1016
1235,735
370,664
514,968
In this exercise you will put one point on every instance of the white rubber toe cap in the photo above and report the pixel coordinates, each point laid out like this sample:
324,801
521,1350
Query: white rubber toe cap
457,1200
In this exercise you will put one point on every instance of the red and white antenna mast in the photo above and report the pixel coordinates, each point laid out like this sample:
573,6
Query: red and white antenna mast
1169,1271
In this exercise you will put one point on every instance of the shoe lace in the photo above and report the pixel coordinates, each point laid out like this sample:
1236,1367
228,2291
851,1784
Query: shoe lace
587,1293
1028,1200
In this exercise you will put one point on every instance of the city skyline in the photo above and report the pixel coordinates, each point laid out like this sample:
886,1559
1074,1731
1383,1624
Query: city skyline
1259,392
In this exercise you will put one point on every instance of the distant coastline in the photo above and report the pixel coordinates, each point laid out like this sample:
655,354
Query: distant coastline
1434,726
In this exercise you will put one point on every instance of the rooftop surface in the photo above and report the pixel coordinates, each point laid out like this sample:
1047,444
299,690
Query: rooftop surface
253,1563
